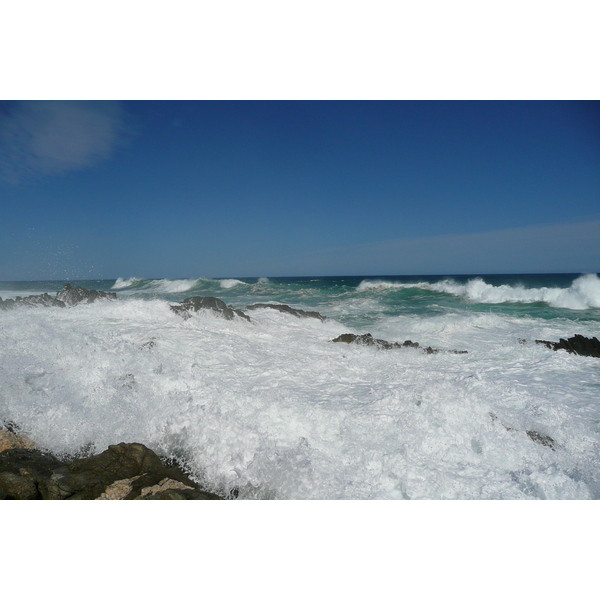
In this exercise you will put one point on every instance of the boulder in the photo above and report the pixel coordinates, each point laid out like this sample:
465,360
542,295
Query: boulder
367,339
284,308
22,470
196,303
76,295
578,344
123,471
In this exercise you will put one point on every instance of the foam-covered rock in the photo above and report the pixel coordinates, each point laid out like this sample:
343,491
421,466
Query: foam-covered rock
196,303
284,308
578,344
76,295
366,339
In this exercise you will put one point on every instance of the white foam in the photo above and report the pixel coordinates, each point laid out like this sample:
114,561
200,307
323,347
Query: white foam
374,284
229,283
583,293
174,286
122,283
275,409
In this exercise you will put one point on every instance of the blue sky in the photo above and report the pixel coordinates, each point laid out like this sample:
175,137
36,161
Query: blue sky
235,189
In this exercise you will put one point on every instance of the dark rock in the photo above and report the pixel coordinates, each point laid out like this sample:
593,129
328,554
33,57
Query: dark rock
540,438
284,308
76,295
367,339
34,300
578,344
21,472
196,303
87,478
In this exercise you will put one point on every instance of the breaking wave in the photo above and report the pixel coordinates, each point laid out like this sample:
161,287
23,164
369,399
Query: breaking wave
122,283
584,292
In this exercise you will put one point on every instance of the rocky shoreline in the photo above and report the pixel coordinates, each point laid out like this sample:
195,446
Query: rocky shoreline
125,471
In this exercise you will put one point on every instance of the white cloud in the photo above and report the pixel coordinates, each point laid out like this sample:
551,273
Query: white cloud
52,137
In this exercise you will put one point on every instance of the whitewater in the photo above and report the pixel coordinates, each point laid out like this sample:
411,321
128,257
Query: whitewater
272,409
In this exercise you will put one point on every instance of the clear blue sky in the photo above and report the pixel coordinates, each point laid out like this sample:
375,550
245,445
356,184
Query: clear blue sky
226,189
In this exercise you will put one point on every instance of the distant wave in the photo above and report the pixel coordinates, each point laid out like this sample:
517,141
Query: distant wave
583,293
229,283
121,283
175,286
372,284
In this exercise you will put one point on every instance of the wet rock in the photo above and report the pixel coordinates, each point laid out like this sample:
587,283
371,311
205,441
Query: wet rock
534,436
284,308
12,439
123,471
22,470
196,303
367,339
34,300
540,438
77,295
578,344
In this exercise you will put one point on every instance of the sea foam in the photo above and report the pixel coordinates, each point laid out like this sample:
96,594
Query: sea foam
273,409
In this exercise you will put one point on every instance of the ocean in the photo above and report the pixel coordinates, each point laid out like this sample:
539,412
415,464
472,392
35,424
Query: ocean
272,409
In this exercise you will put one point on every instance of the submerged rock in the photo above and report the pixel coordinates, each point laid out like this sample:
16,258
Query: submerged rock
534,436
76,295
578,344
297,312
367,339
123,471
196,303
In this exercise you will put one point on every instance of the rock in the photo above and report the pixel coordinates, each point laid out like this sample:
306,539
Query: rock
540,438
367,339
534,436
196,303
34,300
297,312
22,470
122,472
76,295
578,344
10,440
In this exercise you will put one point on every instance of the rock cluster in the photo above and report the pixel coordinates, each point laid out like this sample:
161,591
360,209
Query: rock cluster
122,472
367,339
578,344
68,296
196,303
284,308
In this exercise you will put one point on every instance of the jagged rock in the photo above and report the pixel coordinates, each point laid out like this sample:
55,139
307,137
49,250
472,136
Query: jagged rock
297,312
34,300
578,344
76,295
196,303
540,438
367,339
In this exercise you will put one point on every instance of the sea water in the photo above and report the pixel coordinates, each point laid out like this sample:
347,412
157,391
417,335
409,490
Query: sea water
272,408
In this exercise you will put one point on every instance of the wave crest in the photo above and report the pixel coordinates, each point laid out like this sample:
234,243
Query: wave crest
583,293
122,283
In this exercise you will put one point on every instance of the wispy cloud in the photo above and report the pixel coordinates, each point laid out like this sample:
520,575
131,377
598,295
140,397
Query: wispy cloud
52,137
559,247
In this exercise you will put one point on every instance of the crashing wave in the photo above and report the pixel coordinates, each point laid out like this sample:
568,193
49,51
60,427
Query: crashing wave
583,293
